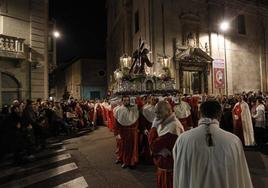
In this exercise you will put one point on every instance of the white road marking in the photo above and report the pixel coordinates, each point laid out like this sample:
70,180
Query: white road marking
75,183
48,152
41,176
33,165
41,154
55,144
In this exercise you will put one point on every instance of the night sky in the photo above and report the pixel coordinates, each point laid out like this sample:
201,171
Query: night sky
82,24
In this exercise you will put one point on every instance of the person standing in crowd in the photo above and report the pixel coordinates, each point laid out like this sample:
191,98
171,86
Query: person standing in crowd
226,122
98,114
29,123
259,118
242,124
91,105
145,123
18,143
208,156
194,103
164,132
183,113
4,130
127,124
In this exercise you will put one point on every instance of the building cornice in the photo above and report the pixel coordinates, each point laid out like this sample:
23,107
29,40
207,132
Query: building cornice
14,17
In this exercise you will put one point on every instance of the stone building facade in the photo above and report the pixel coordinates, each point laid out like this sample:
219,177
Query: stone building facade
23,49
82,78
188,32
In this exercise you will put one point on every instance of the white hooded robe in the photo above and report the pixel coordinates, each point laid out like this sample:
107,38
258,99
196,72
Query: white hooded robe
196,165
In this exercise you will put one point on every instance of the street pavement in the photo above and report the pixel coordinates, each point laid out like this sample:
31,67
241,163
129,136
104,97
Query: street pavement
53,167
88,161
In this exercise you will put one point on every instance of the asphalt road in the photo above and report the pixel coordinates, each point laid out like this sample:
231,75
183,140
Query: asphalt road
88,160
94,155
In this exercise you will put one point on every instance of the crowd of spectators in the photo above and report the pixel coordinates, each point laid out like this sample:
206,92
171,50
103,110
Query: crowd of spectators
25,125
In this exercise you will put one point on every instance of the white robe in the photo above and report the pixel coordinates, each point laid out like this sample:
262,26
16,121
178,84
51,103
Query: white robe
126,116
182,110
171,125
196,165
247,126
148,112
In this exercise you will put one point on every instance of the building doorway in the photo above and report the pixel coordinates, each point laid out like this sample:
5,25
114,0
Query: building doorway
94,95
9,87
192,82
193,65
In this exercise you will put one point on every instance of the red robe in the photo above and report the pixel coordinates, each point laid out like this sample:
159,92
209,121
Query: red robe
91,112
104,115
79,113
237,124
119,146
127,146
109,119
144,149
194,110
99,115
186,122
164,164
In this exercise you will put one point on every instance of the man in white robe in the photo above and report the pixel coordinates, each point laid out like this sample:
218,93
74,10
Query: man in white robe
127,122
242,122
145,123
164,132
182,111
208,156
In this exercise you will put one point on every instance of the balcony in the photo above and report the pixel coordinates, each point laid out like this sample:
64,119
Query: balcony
12,47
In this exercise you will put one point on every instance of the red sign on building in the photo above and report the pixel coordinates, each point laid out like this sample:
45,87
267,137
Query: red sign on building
219,76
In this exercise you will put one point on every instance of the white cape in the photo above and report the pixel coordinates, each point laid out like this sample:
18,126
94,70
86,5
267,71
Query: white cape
126,116
171,125
248,131
196,165
148,112
182,110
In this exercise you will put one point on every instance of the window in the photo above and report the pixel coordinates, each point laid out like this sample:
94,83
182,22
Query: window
101,73
137,21
241,24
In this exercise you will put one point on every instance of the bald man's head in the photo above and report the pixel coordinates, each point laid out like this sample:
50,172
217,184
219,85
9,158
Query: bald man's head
163,110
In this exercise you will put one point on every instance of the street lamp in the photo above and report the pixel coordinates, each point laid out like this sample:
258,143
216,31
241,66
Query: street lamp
165,62
125,61
224,27
56,34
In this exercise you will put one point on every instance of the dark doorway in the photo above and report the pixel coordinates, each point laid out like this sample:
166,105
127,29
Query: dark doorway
192,82
94,95
9,88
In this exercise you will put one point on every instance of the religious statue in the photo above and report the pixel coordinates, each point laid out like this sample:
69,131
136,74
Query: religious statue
191,39
140,58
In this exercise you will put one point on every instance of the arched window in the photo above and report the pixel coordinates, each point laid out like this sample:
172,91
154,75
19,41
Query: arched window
9,88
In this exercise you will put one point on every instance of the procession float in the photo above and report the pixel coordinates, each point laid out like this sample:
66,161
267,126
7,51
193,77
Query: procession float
135,75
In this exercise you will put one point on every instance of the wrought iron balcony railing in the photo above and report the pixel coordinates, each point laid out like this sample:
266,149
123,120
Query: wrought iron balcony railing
11,47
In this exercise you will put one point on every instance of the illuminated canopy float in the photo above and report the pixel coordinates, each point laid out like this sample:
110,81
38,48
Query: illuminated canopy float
135,77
